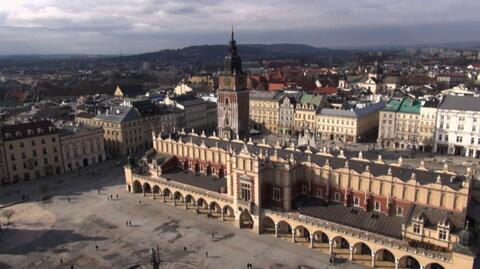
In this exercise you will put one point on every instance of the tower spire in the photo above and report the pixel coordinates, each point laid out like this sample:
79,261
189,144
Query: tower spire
232,33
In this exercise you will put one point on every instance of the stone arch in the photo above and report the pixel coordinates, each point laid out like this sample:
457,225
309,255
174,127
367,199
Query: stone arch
147,188
284,229
268,225
167,193
189,199
202,205
246,220
362,253
408,262
214,209
302,234
320,240
341,247
156,189
229,213
434,265
137,186
384,257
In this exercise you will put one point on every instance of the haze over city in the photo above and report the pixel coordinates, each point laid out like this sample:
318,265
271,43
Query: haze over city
129,27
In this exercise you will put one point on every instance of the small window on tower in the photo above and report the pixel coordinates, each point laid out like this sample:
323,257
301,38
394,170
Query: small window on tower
227,102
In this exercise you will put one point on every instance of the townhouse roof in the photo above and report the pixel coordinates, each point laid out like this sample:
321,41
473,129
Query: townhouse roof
120,114
432,217
26,130
311,99
272,96
405,105
354,112
463,103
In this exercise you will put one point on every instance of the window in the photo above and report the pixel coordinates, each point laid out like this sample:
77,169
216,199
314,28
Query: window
440,137
442,235
12,157
22,145
56,158
55,149
337,197
43,141
24,156
472,140
356,201
459,139
474,128
460,127
446,137
10,146
45,161
34,153
399,211
417,228
377,206
227,102
44,151
33,142
245,192
276,193
14,167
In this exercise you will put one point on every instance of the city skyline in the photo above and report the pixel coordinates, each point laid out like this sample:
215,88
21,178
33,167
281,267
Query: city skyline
92,27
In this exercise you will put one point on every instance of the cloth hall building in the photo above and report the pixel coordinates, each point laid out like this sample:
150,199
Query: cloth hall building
365,210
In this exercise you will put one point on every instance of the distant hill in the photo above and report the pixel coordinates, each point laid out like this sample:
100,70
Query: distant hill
247,51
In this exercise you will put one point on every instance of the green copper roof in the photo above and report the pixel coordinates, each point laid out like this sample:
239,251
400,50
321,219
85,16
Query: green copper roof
311,99
405,105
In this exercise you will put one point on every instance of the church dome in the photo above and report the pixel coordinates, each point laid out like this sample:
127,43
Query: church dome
466,236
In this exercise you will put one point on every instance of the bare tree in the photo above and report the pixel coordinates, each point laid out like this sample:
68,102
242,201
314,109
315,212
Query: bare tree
8,214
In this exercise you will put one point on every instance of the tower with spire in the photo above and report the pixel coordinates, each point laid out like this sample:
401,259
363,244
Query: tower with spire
233,99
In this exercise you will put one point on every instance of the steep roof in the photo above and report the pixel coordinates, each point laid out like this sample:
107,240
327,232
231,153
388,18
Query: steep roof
118,92
26,130
311,99
120,114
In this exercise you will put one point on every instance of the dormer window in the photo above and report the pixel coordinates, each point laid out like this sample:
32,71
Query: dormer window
443,234
399,211
8,135
40,130
30,132
18,134
377,206
417,228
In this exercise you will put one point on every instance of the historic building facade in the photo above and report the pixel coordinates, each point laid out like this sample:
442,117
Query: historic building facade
457,126
265,111
363,210
399,124
32,150
81,146
348,125
233,104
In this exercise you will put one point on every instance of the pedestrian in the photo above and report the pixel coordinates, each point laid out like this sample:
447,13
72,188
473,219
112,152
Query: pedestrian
111,197
139,202
61,260
117,196
213,234
68,199
206,254
185,249
126,223
71,266
96,247
129,223
98,191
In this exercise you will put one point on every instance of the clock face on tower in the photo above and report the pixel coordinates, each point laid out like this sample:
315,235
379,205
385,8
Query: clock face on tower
227,81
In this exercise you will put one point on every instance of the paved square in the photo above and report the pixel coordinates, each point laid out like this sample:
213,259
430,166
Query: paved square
46,234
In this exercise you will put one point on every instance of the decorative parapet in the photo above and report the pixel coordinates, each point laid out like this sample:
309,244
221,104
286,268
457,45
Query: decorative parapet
185,187
363,235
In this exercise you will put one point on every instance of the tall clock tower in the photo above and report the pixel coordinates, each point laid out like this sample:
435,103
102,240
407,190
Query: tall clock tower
233,99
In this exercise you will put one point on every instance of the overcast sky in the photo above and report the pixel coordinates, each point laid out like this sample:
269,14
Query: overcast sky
135,26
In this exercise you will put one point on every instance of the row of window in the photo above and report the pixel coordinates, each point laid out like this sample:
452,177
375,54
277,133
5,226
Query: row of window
34,153
34,164
418,229
22,145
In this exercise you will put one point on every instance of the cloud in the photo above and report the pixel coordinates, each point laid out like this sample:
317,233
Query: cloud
140,25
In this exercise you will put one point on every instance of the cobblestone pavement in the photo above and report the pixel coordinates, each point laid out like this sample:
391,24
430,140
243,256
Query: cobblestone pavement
59,233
